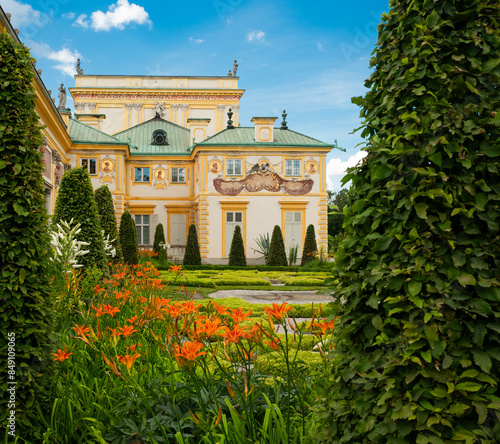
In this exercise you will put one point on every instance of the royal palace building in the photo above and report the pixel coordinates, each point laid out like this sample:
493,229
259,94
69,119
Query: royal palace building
172,150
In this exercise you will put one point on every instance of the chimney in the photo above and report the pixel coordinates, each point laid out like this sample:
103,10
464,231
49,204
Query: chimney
264,128
198,129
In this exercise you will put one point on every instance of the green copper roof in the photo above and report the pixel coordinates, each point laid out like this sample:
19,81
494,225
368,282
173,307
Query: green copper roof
246,136
140,137
81,133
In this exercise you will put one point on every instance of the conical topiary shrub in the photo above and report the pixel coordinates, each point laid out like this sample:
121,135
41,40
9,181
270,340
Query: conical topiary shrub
128,239
237,251
107,218
277,254
75,200
192,254
417,345
310,246
159,238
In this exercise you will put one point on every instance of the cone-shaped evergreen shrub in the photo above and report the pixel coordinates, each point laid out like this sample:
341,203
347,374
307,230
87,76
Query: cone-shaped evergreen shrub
237,250
25,304
128,239
417,346
310,245
192,254
159,238
277,254
75,200
107,218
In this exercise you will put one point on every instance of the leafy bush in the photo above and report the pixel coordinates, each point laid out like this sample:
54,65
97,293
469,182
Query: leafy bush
128,239
75,200
237,251
159,238
107,218
192,254
303,281
277,255
310,245
263,243
418,345
25,303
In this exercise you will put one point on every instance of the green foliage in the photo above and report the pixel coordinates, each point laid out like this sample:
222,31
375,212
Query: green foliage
128,239
25,304
292,255
192,254
310,245
107,218
418,345
263,243
277,255
336,203
159,238
237,250
75,200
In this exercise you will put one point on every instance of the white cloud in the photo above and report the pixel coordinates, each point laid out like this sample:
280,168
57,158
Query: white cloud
66,58
320,46
69,15
337,168
197,41
119,15
24,14
256,36
82,21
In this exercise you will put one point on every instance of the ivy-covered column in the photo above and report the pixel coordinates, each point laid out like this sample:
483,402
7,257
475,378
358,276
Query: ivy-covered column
25,307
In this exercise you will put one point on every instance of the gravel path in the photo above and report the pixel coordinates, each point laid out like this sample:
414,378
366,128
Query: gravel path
277,296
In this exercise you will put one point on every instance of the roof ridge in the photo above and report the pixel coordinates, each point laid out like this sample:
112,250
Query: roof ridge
92,129
149,121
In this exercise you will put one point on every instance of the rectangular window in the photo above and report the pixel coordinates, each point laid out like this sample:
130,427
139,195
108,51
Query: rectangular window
90,165
233,167
233,218
293,231
178,229
292,167
178,175
141,174
142,227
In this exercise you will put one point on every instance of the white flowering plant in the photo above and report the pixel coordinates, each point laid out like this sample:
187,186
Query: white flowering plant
164,246
109,249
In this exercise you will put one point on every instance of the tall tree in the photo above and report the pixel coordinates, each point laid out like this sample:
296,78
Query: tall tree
159,238
128,239
192,254
310,245
337,200
417,351
25,304
277,253
237,250
107,218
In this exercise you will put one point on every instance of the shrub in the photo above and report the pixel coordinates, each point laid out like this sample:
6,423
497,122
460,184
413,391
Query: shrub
107,218
263,243
128,239
25,303
159,238
310,245
75,200
192,254
277,255
237,251
419,339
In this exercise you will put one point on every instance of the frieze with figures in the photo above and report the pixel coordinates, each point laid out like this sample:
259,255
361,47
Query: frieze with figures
155,97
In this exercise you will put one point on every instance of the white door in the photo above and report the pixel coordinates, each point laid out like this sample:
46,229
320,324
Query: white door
178,229
233,218
293,231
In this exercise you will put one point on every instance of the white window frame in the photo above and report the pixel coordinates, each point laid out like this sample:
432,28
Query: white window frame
142,175
88,163
142,228
176,178
293,167
232,165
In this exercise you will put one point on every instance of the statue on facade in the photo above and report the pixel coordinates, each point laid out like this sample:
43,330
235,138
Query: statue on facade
79,70
62,97
235,68
159,109
230,74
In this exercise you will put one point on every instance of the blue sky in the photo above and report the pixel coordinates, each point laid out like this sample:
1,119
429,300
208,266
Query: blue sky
309,58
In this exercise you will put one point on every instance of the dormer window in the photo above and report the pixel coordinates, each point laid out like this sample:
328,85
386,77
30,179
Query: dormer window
159,138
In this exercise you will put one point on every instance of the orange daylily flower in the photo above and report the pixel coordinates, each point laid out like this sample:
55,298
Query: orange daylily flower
277,311
233,335
109,309
189,307
238,315
175,310
176,268
61,355
128,360
221,309
209,328
131,320
189,351
118,276
81,331
132,348
114,332
142,299
255,333
273,344
98,289
324,326
127,330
